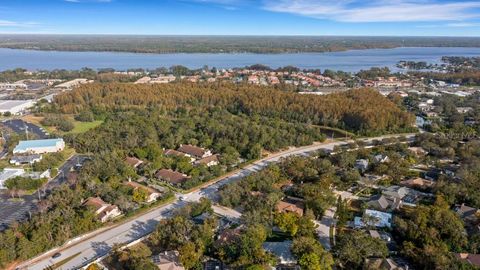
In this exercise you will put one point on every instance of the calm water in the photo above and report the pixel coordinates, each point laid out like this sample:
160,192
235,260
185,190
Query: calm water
348,61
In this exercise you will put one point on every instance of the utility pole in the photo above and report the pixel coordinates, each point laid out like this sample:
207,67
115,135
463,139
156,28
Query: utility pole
26,130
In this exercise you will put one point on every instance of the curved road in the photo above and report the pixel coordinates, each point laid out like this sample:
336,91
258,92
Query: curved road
99,243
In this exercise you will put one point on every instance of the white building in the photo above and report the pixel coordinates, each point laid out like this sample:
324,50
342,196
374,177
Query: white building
8,173
39,146
72,84
15,106
13,86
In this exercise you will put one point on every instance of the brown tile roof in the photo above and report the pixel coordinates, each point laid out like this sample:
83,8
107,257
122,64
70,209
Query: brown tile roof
290,205
171,176
208,159
168,260
419,182
96,202
473,259
171,152
133,161
192,150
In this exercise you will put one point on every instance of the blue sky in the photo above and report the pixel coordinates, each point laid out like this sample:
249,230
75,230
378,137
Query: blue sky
242,17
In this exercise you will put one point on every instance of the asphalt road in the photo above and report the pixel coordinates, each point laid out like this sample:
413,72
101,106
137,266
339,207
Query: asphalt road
99,243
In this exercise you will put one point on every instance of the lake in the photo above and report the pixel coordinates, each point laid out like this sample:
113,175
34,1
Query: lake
353,60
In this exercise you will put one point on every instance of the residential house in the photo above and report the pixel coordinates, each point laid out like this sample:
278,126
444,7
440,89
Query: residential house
173,177
407,196
419,151
208,161
25,159
175,153
153,194
361,164
103,210
473,259
282,250
291,205
468,214
382,264
380,235
464,109
381,158
194,151
133,162
168,260
383,203
376,218
227,236
417,182
213,264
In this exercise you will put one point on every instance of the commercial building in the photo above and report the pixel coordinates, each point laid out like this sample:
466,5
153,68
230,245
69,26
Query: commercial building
8,173
39,146
72,84
15,106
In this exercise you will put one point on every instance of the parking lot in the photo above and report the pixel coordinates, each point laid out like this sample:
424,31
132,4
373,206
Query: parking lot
19,209
19,126
15,210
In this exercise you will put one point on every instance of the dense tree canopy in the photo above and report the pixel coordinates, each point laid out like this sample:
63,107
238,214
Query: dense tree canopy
359,110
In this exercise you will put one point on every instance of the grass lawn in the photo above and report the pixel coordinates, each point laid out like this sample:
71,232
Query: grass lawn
79,127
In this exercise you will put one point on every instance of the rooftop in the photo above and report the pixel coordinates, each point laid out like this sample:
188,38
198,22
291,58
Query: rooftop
25,145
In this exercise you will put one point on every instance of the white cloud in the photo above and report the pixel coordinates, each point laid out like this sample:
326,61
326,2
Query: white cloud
463,24
6,23
377,10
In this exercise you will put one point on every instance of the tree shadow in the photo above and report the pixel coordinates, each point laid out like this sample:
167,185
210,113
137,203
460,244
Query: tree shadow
140,228
100,248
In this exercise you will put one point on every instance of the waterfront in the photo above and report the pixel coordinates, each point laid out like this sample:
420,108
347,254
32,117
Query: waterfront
352,61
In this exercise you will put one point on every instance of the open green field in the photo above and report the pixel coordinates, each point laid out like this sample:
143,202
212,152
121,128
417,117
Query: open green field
81,127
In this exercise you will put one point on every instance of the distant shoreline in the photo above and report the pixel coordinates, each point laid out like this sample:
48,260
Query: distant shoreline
224,44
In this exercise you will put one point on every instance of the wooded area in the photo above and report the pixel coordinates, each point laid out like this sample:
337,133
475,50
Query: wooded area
362,110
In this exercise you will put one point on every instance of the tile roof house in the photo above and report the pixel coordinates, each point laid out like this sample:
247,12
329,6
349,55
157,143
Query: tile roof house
290,205
175,153
228,235
172,177
103,210
153,194
382,263
383,203
194,151
473,259
168,260
396,192
417,183
467,213
419,151
133,162
208,161
361,164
